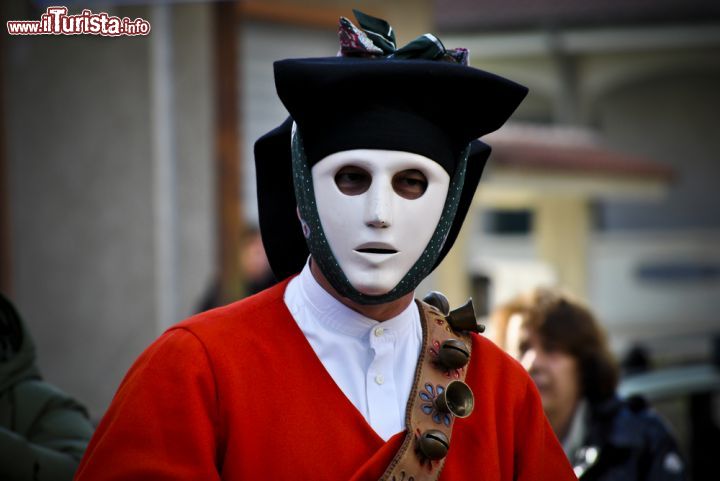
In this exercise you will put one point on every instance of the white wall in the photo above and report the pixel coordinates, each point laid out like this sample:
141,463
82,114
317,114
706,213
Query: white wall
77,113
682,313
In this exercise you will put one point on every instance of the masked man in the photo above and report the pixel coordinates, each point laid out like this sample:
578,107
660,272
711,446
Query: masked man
336,373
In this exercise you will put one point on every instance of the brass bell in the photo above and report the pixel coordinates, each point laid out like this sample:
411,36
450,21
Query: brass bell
434,444
439,301
457,399
453,354
463,318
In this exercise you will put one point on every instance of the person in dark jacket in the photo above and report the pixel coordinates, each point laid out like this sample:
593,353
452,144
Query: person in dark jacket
43,432
563,347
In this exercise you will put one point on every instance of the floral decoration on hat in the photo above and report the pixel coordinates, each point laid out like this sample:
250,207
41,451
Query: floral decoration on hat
376,38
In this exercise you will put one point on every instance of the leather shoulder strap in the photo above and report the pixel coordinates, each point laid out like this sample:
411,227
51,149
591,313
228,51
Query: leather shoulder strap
423,418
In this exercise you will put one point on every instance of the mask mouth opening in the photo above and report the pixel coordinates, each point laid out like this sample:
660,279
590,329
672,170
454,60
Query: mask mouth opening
376,248
370,250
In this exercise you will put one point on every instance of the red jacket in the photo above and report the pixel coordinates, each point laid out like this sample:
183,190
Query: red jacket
237,393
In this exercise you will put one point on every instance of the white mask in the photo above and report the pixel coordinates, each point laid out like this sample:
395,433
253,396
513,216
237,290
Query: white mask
365,203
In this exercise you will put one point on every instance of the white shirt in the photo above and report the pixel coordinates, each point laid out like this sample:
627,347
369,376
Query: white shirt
373,363
575,436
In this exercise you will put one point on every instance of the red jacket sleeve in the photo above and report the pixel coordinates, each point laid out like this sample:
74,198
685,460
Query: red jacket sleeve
538,452
163,422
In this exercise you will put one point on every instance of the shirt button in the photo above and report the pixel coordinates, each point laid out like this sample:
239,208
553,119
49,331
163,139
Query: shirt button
379,331
379,379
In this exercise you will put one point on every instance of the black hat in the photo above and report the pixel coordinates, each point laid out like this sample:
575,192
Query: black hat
434,108
431,108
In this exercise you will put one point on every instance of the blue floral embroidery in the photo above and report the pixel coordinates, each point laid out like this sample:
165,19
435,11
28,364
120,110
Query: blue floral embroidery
429,394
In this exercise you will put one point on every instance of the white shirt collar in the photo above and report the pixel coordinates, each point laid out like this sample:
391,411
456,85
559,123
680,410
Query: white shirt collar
335,315
578,427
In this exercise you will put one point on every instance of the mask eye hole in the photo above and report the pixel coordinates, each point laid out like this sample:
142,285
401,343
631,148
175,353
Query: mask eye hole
352,180
410,184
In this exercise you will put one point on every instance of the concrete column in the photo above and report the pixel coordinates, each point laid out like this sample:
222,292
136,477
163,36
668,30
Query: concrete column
562,230
164,167
567,96
5,252
452,277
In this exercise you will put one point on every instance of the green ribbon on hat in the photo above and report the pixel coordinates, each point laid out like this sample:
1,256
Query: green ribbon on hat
376,38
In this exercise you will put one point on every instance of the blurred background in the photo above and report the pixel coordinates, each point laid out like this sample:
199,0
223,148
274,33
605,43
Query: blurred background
127,194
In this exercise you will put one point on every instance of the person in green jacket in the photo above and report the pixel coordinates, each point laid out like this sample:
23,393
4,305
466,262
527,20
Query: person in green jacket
43,432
